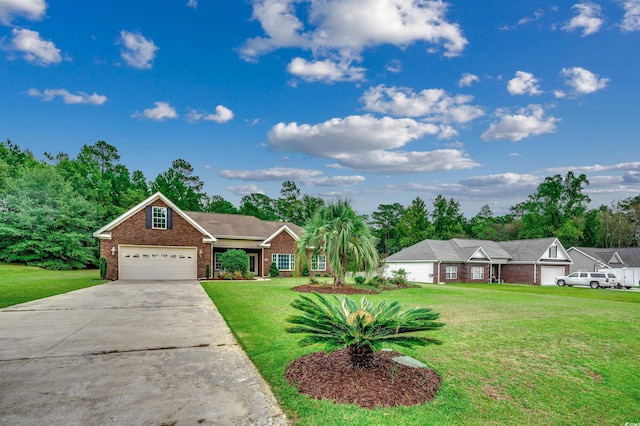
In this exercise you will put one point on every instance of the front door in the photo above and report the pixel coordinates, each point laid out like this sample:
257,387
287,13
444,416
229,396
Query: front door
253,263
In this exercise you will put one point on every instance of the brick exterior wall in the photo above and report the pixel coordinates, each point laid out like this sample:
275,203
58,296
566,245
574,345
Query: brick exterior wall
133,232
464,273
524,273
281,244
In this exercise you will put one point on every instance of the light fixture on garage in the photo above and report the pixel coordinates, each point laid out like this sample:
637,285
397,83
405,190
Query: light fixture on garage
200,253
113,251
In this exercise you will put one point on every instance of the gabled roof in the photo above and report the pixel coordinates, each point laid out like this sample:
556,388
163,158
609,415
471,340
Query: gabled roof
454,250
531,250
105,231
236,226
613,257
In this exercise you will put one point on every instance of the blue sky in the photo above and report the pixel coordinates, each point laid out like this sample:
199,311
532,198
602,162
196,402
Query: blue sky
380,101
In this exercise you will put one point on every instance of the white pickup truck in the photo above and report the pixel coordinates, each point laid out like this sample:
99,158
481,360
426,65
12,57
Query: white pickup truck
592,279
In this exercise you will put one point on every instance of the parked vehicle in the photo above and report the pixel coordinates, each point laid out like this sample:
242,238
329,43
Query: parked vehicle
592,279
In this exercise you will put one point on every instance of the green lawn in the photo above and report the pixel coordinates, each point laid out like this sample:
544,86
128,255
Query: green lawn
510,354
19,284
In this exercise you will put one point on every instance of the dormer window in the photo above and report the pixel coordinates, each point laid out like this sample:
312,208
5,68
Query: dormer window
553,252
159,219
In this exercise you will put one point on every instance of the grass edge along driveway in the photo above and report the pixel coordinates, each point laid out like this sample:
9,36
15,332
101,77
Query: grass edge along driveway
529,356
19,284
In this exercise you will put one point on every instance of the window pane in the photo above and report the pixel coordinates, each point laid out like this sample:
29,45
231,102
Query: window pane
159,218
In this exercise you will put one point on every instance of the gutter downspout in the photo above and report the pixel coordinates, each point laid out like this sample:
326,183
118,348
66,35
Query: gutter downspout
262,261
438,272
535,273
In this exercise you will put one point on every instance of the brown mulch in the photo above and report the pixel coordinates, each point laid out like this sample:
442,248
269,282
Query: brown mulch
330,376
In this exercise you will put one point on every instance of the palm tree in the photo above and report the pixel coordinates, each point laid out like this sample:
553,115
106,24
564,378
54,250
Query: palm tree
343,236
361,328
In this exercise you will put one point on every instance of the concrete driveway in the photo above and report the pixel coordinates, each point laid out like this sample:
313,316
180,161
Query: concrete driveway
135,353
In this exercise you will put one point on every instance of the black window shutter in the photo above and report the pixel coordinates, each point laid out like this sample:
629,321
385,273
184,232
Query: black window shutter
169,218
149,216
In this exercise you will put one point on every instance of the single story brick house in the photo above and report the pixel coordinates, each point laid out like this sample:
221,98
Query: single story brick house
156,240
535,261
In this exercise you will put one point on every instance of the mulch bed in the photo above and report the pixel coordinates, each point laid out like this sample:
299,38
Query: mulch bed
330,376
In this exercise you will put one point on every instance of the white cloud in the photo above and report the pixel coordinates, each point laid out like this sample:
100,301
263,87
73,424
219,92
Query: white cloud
559,94
395,66
304,176
630,166
631,20
523,83
406,162
222,115
583,81
539,13
242,190
192,4
138,51
433,104
354,134
527,122
349,26
589,18
325,70
69,98
468,79
32,10
161,111
34,49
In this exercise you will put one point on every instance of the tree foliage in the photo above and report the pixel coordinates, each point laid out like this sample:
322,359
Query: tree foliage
385,224
181,186
414,225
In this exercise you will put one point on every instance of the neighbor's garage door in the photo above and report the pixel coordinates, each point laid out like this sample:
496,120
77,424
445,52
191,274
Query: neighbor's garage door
421,272
548,274
157,263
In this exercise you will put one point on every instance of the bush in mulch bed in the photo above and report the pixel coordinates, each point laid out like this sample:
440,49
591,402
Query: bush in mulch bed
331,376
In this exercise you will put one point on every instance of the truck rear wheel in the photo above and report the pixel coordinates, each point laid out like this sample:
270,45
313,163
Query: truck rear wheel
594,284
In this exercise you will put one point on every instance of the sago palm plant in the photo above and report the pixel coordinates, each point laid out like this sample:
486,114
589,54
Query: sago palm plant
361,328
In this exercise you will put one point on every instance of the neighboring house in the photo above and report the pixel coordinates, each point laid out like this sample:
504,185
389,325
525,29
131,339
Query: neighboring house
624,262
157,240
536,261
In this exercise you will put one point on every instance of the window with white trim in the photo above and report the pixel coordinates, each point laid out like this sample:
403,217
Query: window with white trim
553,252
159,218
216,262
285,262
477,272
319,262
451,272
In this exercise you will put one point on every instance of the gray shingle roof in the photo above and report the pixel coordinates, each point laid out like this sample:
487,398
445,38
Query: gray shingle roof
630,256
455,250
234,225
527,250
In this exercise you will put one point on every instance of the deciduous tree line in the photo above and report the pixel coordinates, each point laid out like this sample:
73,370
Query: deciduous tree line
49,209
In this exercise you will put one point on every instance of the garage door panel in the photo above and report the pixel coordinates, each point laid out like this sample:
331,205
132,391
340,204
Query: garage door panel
157,263
416,271
548,274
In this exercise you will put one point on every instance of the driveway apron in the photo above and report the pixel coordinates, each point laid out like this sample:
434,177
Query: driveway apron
135,353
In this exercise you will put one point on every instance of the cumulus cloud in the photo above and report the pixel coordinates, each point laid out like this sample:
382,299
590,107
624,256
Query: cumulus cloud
349,26
222,115
193,4
32,10
523,83
325,70
631,20
434,105
629,166
161,111
242,190
468,79
367,143
69,98
33,48
304,176
589,19
529,121
137,50
583,81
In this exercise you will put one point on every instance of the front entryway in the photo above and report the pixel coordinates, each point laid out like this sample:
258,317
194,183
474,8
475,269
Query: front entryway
253,263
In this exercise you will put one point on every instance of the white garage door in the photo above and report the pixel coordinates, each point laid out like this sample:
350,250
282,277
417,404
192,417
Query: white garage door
421,272
157,263
548,274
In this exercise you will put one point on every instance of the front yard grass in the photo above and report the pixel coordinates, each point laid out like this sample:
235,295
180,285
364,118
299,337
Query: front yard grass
510,354
19,284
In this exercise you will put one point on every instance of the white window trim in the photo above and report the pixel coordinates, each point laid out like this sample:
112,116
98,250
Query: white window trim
553,252
292,261
216,262
155,209
320,262
451,272
475,269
